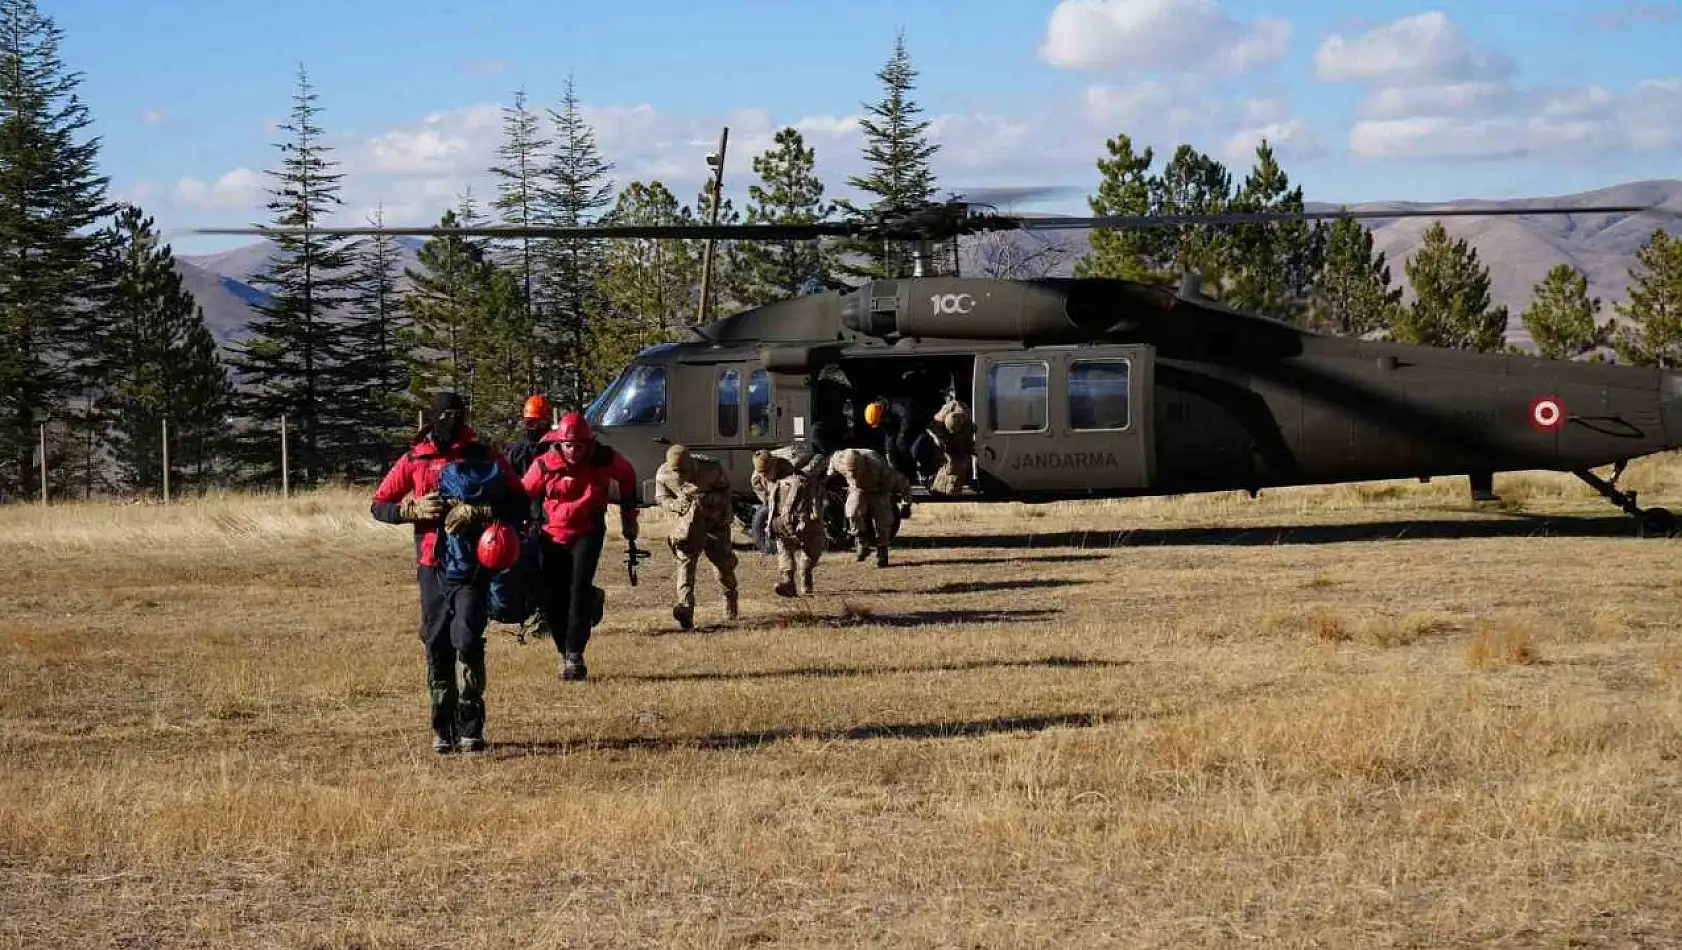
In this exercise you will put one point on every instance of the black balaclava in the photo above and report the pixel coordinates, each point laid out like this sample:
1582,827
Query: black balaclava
449,417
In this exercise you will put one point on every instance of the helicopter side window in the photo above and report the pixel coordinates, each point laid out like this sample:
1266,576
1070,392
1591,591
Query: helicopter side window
639,399
1098,394
729,403
1016,396
759,403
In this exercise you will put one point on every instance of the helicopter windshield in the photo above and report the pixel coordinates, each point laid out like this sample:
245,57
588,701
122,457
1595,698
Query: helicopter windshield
637,399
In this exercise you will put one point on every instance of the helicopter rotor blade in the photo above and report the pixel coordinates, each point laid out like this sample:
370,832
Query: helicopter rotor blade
1268,217
749,232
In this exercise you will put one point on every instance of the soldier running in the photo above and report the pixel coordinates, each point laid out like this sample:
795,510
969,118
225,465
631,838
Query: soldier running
789,483
872,485
696,489
955,432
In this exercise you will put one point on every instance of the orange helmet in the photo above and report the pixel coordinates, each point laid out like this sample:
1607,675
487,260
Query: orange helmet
874,412
537,407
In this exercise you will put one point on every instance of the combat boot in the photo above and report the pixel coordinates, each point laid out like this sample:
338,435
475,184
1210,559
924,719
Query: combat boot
881,557
443,744
785,587
863,552
572,667
730,607
471,744
806,583
684,615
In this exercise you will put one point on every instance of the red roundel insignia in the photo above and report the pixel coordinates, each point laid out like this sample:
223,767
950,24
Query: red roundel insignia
1547,413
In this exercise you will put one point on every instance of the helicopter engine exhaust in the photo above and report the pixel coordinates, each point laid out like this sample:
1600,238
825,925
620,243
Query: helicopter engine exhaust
953,308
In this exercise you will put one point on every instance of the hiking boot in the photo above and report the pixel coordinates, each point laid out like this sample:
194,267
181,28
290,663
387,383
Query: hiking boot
730,608
572,667
784,588
863,553
806,581
471,744
882,557
443,745
684,615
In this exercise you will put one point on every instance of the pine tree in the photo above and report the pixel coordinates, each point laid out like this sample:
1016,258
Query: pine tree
1195,183
1561,318
576,188
158,363
376,366
897,149
1273,265
789,191
1125,187
441,304
522,158
650,285
1353,296
1653,334
50,195
1451,290
292,365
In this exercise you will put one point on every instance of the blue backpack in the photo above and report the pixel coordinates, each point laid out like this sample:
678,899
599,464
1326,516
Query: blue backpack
474,481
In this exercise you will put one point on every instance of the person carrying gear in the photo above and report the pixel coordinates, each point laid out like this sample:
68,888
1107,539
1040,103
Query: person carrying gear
696,489
954,431
578,480
535,420
453,618
872,485
789,483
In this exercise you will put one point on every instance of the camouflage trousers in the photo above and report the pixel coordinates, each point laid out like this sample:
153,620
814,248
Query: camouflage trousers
802,553
871,515
955,473
715,548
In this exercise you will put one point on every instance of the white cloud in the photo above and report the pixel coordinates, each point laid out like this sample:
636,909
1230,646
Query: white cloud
1424,49
1164,114
151,116
1431,94
484,67
1635,14
1159,34
237,190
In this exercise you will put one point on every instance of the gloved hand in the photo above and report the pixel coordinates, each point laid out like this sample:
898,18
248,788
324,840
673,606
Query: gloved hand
628,523
463,517
428,507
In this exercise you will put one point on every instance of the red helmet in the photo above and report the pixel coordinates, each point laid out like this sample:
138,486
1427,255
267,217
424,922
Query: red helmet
573,428
499,547
537,407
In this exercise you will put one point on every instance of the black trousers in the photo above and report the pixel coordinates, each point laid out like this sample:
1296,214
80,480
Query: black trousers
569,573
452,629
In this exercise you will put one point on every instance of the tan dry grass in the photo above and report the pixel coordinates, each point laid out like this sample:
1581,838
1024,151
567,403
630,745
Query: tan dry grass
1245,724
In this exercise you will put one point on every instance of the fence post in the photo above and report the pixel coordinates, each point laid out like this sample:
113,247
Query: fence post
43,463
166,460
285,461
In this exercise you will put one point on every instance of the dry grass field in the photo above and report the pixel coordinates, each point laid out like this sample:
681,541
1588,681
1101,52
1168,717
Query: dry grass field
1357,716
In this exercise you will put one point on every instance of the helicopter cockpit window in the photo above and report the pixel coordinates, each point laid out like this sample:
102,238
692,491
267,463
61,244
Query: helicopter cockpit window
729,403
639,399
1098,394
759,403
1016,397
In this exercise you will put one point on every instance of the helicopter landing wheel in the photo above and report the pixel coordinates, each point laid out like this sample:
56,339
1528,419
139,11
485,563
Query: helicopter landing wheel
1657,521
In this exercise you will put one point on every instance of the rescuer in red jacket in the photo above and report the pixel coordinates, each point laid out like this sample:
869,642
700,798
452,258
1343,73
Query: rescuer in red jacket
577,480
453,614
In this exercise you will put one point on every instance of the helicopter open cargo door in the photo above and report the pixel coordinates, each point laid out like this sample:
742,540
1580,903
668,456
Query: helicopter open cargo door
1065,419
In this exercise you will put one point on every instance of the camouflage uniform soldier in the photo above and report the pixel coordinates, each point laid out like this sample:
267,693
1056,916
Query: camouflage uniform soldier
872,484
789,482
696,489
956,433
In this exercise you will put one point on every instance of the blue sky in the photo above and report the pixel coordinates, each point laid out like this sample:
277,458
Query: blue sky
1405,100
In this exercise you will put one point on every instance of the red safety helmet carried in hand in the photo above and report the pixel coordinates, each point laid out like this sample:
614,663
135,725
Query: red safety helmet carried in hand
537,407
499,547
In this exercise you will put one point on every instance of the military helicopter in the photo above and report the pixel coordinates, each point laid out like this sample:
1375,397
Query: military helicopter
1103,388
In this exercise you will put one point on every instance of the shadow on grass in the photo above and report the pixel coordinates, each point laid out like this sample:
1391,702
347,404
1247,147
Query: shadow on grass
1512,526
838,672
737,741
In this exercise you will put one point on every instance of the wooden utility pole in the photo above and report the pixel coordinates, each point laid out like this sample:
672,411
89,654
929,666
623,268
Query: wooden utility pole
166,460
716,160
43,463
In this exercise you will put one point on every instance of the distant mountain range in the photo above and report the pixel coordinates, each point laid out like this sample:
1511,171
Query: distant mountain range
1518,251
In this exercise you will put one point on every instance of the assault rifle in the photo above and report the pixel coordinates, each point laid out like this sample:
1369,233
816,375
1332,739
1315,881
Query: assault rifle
632,556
